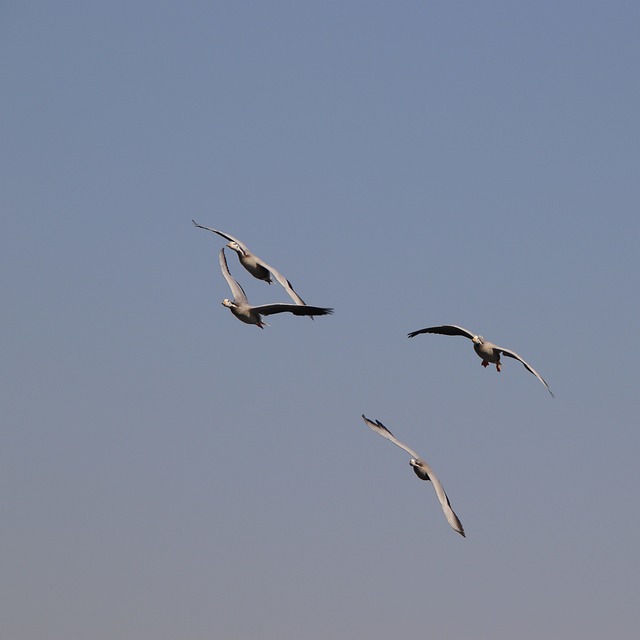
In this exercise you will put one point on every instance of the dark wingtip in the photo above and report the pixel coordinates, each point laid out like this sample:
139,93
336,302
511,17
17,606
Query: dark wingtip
321,311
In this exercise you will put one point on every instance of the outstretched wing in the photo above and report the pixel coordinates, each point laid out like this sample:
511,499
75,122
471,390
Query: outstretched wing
527,366
223,234
281,280
380,429
450,515
445,330
239,296
296,310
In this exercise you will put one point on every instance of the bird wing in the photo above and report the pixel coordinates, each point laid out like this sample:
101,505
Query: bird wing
281,279
224,235
297,310
380,429
445,330
450,515
239,296
527,366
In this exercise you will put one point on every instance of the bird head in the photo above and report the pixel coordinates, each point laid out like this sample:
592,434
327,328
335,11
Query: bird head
227,303
234,246
477,340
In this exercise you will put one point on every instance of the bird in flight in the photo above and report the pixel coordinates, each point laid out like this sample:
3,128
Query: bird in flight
489,352
423,471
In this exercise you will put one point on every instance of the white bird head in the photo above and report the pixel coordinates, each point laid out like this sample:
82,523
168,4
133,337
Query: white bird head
477,340
235,247
227,303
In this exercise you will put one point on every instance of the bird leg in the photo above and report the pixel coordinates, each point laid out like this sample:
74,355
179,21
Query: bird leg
485,364
498,366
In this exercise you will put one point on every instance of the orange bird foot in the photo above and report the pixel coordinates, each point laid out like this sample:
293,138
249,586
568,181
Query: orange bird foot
485,364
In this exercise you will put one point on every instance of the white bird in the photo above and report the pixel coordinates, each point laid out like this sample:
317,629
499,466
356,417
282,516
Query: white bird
423,471
486,350
242,310
257,267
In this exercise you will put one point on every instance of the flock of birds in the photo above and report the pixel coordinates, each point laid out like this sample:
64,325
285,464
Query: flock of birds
259,269
489,353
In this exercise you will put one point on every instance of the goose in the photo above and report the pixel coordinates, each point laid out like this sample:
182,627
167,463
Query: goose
257,267
489,352
242,310
423,471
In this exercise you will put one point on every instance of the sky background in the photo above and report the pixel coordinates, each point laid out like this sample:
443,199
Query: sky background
169,472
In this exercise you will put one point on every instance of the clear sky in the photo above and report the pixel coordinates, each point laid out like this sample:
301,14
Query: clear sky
169,472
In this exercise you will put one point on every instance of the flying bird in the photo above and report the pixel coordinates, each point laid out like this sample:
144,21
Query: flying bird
423,471
257,267
489,352
242,310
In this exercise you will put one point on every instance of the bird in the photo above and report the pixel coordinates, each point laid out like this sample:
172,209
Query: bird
242,310
257,267
489,352
423,471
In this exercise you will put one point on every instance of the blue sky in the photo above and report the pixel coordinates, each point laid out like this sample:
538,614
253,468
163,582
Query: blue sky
167,471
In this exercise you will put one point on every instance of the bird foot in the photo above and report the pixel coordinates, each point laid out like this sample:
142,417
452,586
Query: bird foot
485,364
498,367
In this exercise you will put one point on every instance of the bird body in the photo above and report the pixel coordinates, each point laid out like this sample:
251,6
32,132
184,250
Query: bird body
487,351
245,313
419,469
251,263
